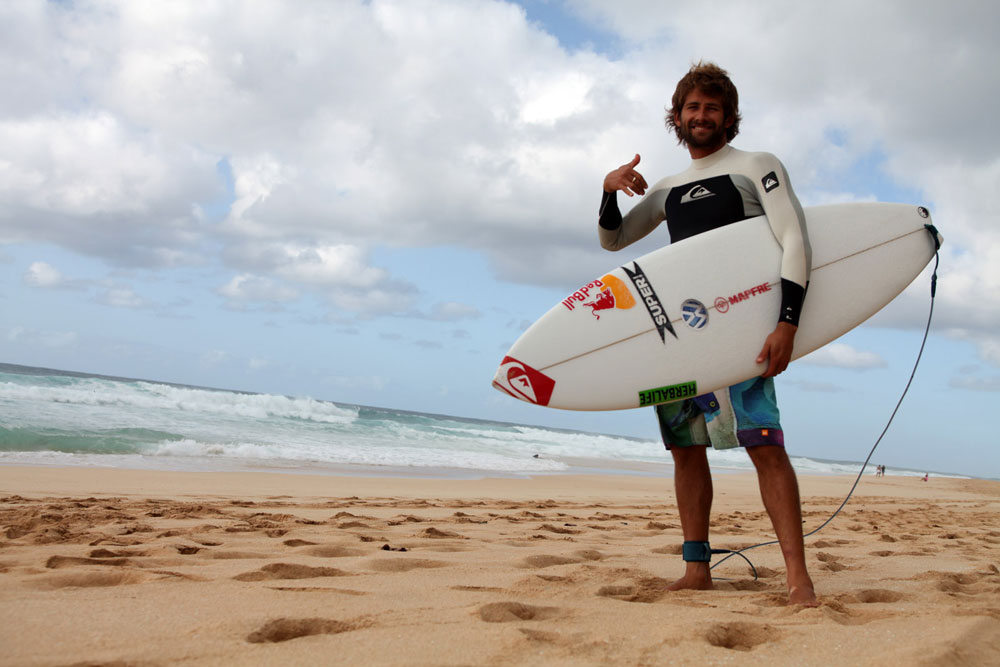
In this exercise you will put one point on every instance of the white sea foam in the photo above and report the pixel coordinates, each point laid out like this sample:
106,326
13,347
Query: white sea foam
48,418
151,396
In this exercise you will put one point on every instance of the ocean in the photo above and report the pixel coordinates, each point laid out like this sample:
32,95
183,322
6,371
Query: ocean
63,418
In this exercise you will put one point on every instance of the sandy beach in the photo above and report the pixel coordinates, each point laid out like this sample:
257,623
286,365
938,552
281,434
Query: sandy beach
121,567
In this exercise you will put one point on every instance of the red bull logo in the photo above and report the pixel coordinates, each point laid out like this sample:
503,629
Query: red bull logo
609,293
523,382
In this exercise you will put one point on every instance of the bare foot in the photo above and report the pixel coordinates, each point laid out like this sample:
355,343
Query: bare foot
696,578
803,595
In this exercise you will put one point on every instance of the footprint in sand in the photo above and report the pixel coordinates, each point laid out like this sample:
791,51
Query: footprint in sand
298,543
404,564
830,562
960,582
435,533
645,589
559,530
289,571
505,612
874,595
333,551
740,636
542,560
477,589
90,580
284,629
670,549
57,562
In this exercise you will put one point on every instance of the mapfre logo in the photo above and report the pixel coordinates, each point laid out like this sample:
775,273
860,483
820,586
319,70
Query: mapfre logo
722,304
524,382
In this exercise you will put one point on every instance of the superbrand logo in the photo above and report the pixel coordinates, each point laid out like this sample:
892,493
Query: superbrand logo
522,381
604,294
656,310
722,304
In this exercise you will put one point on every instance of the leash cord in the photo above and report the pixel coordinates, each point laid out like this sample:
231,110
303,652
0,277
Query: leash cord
927,328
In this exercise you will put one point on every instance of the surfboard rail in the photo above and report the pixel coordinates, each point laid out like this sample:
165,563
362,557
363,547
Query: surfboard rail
689,318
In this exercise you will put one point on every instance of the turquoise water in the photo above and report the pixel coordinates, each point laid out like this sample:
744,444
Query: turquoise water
50,417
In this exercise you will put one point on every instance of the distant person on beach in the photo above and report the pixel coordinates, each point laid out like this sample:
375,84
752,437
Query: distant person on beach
723,186
925,477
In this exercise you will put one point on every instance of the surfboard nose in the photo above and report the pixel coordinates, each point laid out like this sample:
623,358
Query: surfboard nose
929,225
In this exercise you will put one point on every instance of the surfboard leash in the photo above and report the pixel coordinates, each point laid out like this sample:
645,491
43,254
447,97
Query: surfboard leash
930,316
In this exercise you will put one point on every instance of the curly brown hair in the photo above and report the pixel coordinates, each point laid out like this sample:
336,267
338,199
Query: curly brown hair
711,80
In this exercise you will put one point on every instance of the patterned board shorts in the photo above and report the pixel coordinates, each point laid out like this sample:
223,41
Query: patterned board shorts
744,415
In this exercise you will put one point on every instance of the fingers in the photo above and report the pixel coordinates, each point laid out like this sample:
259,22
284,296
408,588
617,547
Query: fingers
631,180
775,358
627,179
638,182
777,350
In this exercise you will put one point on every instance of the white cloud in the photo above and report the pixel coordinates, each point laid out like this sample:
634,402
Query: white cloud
215,358
258,364
121,297
820,387
41,274
49,339
451,311
977,384
374,302
246,288
841,355
327,265
353,125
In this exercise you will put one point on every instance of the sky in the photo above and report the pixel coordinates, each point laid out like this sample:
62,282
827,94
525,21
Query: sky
368,202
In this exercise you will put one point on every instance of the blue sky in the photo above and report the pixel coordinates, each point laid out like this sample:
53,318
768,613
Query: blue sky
367,202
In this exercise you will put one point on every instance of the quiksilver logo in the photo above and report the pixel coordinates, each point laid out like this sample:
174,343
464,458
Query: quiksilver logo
770,182
697,192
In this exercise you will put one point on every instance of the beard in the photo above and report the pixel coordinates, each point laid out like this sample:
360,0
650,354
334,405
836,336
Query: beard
716,137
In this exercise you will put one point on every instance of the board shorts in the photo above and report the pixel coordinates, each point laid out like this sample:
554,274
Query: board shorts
744,415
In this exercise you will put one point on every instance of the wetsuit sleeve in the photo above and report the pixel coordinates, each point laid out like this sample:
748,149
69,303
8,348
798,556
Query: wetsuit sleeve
616,231
610,217
788,223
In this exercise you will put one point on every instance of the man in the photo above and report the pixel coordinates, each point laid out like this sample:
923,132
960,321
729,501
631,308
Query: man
723,186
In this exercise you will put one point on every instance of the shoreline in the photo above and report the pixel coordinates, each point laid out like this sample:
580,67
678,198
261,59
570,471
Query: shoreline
573,465
103,565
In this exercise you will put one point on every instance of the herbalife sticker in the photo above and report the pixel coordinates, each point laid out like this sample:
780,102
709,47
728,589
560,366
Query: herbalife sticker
656,310
674,392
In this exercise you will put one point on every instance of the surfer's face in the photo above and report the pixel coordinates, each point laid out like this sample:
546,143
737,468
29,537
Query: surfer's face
702,123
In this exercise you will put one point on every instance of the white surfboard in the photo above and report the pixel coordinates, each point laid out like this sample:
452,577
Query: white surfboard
691,318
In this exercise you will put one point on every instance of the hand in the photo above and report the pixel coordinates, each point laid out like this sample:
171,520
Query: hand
777,350
626,179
